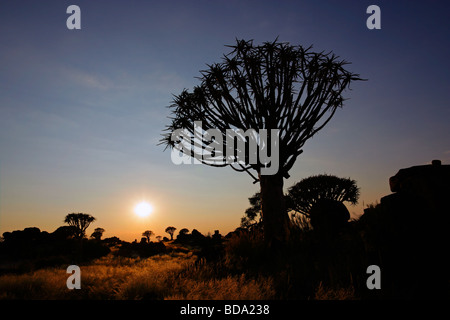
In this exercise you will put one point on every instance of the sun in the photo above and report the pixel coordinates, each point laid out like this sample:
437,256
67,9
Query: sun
143,209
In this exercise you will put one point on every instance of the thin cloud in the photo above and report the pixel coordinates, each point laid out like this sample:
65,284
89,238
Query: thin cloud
86,79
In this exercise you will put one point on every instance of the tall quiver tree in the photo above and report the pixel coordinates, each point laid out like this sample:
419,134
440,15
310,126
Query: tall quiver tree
270,86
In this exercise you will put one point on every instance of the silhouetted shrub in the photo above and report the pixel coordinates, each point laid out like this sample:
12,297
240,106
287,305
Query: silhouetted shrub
112,241
31,249
64,232
93,249
245,251
142,249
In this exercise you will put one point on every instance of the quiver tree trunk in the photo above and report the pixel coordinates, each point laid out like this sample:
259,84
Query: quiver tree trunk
274,215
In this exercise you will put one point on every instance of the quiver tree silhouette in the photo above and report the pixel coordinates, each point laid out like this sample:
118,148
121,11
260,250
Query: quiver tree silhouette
147,234
305,193
80,221
170,230
270,86
321,198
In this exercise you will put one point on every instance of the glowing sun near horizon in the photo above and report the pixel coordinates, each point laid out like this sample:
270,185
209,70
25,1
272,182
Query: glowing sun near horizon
143,209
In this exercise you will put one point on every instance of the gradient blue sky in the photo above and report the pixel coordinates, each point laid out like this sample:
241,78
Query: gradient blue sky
81,111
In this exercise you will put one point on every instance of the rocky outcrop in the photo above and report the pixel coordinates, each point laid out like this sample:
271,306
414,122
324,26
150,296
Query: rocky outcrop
410,231
429,183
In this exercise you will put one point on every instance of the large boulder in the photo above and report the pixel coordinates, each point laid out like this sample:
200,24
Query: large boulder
419,203
329,215
429,183
408,233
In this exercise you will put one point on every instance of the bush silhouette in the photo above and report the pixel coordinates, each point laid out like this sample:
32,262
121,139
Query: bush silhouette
98,233
142,249
33,248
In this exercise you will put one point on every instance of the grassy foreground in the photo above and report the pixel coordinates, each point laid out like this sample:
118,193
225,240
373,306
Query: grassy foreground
173,276
169,276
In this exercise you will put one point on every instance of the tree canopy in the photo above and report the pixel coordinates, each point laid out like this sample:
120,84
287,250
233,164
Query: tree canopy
97,234
270,86
170,230
147,234
80,221
305,193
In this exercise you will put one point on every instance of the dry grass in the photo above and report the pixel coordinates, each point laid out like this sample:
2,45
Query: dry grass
173,277
105,278
323,293
229,288
42,284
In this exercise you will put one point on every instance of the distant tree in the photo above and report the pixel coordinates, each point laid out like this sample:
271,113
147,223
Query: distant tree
80,221
147,234
253,212
159,238
305,193
98,233
112,240
183,232
216,235
6,235
170,230
27,235
273,86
